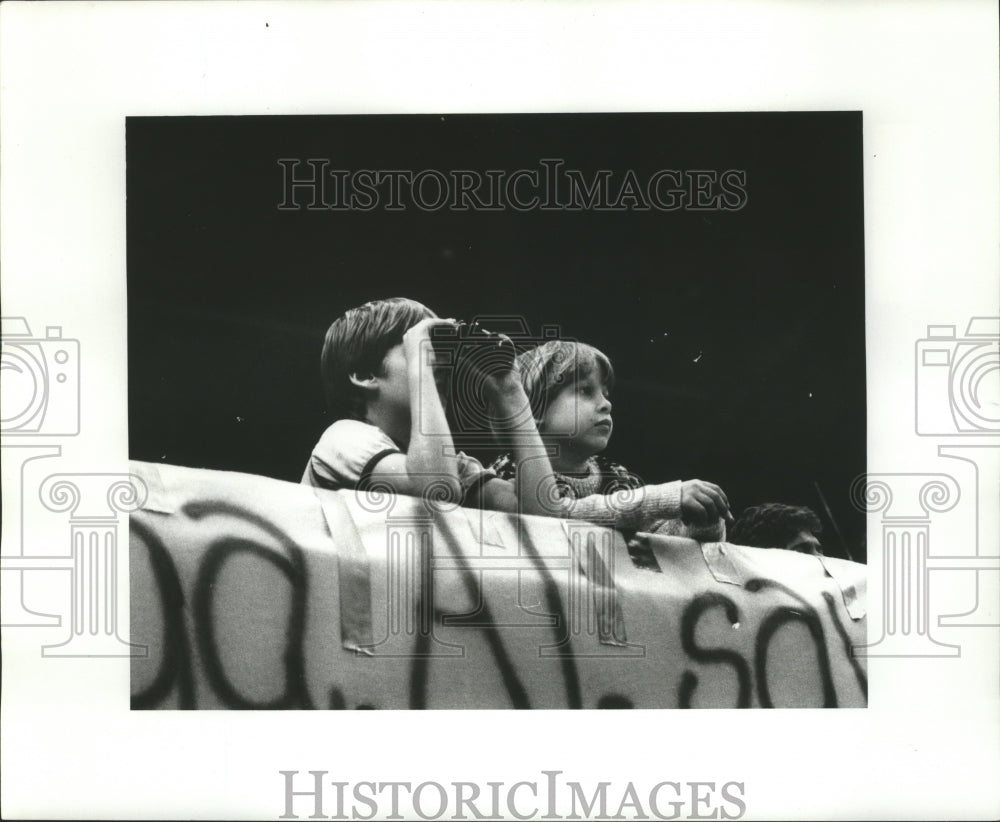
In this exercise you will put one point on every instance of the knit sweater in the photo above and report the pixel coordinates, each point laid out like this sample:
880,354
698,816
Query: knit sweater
610,495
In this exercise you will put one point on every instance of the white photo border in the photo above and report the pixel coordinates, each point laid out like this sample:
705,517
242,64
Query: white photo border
924,76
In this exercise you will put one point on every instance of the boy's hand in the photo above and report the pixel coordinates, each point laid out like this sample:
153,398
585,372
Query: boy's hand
703,502
415,337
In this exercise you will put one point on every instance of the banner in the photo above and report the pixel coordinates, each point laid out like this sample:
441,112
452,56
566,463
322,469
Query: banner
251,593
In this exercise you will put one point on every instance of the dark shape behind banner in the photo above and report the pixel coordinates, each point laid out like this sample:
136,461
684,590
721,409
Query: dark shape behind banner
736,329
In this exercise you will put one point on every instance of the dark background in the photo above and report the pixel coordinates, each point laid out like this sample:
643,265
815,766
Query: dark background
229,297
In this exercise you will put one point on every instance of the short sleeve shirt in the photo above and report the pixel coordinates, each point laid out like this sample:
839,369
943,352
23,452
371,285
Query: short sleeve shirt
349,450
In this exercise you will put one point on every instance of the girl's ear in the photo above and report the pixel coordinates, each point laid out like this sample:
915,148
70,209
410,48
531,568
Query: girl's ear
366,382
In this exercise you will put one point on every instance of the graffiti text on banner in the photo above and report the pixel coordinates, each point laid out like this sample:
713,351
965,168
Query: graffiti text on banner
240,586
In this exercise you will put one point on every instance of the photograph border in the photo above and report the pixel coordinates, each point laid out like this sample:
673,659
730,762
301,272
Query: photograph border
925,77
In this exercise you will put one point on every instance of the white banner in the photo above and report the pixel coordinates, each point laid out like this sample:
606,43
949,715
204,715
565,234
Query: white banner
253,593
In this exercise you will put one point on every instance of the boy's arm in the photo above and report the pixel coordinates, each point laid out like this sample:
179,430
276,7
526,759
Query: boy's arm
430,459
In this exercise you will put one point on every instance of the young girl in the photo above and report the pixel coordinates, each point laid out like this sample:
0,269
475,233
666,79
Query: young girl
568,385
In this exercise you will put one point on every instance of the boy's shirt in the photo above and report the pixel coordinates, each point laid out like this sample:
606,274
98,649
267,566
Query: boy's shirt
349,450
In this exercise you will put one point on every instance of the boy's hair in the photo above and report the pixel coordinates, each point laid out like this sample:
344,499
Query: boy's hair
558,364
357,342
773,525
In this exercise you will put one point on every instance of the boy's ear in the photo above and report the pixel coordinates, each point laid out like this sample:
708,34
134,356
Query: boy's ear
363,381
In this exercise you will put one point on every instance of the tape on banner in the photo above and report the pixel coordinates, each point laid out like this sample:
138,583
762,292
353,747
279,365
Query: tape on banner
483,524
720,564
641,553
158,498
848,591
354,573
607,598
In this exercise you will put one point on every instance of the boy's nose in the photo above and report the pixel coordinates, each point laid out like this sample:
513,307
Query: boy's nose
605,405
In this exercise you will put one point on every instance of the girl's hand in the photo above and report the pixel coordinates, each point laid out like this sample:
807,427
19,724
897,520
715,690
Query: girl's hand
502,387
703,502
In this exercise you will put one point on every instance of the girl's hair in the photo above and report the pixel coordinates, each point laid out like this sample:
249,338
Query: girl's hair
357,342
558,364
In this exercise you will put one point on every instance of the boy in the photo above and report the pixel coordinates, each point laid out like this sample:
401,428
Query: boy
569,384
378,372
773,525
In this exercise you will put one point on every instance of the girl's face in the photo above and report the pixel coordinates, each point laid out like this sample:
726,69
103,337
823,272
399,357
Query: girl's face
578,418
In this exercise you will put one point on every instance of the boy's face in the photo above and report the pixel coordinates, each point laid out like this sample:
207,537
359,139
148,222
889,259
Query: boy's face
579,417
805,542
394,384
394,379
